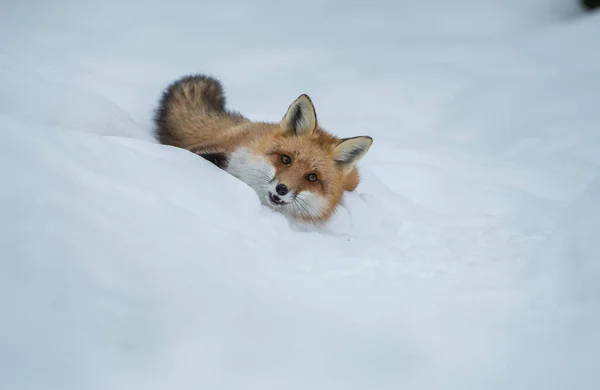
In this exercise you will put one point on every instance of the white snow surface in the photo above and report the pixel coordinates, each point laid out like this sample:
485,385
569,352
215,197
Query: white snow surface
468,258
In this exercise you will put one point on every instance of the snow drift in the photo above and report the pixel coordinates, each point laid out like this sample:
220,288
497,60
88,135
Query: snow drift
466,259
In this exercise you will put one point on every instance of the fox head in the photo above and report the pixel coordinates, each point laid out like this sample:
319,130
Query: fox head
298,168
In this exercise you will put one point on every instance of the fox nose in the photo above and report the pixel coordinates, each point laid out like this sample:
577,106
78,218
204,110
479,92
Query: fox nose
281,189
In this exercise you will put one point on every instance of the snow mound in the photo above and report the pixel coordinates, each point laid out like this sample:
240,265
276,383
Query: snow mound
466,258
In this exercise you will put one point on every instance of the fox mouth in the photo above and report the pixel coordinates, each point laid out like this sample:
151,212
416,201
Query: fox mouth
276,200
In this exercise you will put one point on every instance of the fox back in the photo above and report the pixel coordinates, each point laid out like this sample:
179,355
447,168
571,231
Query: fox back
295,166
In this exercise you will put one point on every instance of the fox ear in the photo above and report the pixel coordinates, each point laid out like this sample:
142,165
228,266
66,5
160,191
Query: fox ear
300,118
350,150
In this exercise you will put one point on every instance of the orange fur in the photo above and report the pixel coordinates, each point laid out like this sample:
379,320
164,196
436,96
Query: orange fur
312,154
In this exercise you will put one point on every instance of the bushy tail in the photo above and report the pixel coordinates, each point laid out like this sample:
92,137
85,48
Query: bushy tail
197,92
186,100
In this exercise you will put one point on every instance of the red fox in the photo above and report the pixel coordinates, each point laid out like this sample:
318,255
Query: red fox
295,166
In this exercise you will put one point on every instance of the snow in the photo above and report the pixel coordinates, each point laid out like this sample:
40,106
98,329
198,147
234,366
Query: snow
467,258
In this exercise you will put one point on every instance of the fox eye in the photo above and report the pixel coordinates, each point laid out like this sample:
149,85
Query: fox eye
286,159
311,177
